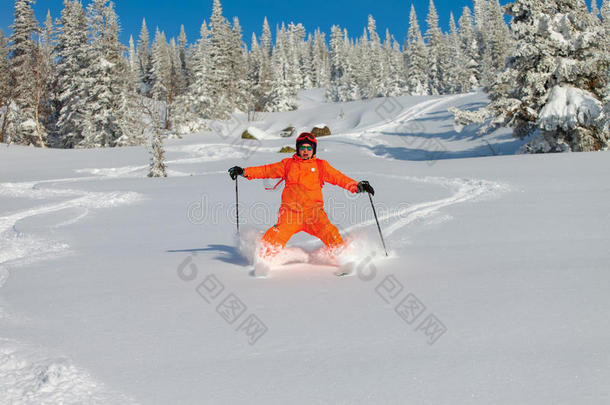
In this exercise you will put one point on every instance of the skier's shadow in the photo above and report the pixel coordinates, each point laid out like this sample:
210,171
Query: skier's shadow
226,253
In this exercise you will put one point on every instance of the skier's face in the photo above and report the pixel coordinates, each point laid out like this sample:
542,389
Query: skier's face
305,151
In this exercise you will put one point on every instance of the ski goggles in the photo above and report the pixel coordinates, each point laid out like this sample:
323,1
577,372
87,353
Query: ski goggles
303,147
308,137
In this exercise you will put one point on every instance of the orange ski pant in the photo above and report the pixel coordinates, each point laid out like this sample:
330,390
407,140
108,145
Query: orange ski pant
314,221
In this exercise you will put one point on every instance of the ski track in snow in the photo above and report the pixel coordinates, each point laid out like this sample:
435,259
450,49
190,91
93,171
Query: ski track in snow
29,374
464,190
411,113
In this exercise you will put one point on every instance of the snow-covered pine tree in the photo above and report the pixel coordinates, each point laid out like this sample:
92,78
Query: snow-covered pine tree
145,60
74,55
253,71
343,61
394,81
6,93
351,80
362,76
262,89
285,78
178,74
470,48
195,105
436,51
498,44
240,91
184,71
23,126
112,108
130,109
306,58
320,60
133,56
556,82
219,68
299,55
48,104
167,75
377,71
594,9
605,12
337,61
481,10
457,75
161,67
416,59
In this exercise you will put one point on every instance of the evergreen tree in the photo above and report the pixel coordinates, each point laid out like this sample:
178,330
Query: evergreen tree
297,48
434,38
6,93
219,68
262,89
48,103
260,72
184,71
377,71
161,67
112,107
195,105
605,13
240,91
457,76
74,58
23,125
594,9
556,82
416,58
320,60
285,80
133,57
343,85
497,43
145,60
394,81
470,48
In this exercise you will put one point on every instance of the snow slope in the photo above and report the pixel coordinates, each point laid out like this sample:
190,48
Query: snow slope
118,288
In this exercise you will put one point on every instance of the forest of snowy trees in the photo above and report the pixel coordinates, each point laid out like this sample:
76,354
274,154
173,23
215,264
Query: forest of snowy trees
70,83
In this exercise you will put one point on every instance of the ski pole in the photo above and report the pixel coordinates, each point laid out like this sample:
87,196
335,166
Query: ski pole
237,203
378,227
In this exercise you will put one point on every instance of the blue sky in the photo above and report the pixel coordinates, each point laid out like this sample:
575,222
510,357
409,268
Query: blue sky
353,14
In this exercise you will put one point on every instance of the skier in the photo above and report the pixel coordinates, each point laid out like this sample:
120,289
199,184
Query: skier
302,207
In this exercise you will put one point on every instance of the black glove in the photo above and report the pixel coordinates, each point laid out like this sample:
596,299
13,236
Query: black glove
236,171
365,186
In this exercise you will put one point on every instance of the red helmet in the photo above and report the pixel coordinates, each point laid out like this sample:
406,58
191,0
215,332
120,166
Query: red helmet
307,137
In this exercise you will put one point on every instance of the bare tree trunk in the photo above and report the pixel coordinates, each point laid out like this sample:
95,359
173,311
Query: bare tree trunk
38,96
167,115
4,121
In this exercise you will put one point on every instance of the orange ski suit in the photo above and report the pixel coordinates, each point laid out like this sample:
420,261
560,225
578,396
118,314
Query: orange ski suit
302,207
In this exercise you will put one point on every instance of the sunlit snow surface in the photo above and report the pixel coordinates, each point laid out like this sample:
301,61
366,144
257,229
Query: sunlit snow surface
117,288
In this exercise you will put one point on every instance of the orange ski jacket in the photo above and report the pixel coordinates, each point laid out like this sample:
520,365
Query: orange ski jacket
304,180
